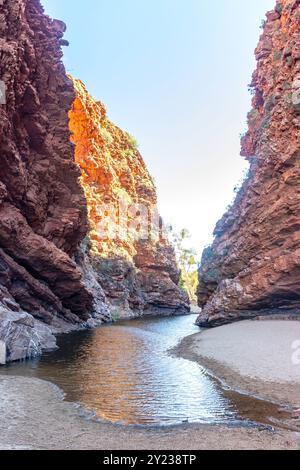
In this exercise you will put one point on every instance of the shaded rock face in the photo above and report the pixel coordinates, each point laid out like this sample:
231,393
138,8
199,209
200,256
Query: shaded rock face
253,266
133,261
43,215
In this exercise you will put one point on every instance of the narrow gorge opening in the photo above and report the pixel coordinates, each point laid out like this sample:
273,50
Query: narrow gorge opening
103,292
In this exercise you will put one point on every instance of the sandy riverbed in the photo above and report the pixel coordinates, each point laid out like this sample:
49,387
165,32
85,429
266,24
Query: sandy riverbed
252,356
255,357
34,416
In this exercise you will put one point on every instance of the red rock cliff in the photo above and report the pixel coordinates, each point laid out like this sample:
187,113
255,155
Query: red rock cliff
43,215
134,263
55,267
253,266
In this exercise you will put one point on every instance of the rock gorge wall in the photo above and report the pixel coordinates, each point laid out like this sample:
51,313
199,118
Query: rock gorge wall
43,215
253,266
47,281
133,260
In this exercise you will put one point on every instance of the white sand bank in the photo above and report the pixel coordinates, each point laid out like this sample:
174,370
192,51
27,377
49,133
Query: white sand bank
265,350
34,416
260,357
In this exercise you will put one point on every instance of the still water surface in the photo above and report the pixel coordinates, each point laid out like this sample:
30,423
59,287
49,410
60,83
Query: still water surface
125,374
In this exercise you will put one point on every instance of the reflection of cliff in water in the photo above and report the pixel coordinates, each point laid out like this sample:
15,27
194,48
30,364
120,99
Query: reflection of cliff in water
125,374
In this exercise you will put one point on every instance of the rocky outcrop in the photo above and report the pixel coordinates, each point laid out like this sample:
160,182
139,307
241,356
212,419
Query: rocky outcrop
43,215
253,266
57,271
132,259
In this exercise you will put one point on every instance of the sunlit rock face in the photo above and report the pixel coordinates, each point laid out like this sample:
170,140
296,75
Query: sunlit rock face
133,261
43,215
253,266
57,273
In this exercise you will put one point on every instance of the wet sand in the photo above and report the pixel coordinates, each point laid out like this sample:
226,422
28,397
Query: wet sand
35,416
254,357
251,357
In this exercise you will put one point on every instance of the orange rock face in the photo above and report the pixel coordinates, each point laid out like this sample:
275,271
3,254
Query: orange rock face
134,263
73,227
253,266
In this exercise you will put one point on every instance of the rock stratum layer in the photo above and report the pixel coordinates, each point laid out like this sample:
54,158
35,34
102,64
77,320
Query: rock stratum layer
253,265
47,281
43,214
134,262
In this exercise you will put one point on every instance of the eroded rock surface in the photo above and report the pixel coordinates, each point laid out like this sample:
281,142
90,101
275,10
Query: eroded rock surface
253,266
132,259
57,273
43,214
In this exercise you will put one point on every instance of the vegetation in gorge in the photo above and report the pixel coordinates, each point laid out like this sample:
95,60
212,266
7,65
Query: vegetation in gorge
186,258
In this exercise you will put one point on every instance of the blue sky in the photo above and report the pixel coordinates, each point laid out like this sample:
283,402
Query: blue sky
174,73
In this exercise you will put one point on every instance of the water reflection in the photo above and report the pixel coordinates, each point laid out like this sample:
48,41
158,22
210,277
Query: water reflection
125,374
